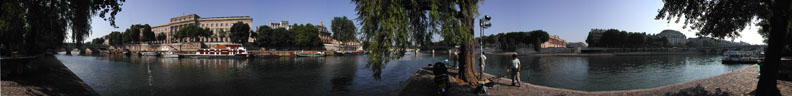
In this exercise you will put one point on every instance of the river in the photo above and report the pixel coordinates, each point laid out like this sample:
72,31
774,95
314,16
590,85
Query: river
348,75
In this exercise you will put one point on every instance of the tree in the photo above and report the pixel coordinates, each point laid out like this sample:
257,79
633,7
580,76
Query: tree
162,36
192,32
33,26
343,29
265,36
387,28
97,41
307,36
116,38
240,32
725,18
148,35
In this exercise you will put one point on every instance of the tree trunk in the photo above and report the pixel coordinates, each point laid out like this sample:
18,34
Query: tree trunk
769,70
467,71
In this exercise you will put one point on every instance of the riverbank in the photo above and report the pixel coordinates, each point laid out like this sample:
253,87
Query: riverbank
738,82
51,78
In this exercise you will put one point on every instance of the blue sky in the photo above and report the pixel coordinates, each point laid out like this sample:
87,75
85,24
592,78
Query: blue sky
569,19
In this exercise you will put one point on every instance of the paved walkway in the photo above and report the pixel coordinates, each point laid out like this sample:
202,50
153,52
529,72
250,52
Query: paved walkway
738,82
52,78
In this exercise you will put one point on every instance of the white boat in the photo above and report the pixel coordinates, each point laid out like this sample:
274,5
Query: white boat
224,50
170,54
310,54
741,57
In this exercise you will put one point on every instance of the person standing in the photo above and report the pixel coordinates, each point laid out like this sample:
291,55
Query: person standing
516,71
481,71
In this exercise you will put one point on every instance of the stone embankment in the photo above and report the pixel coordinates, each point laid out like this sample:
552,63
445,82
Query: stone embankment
50,78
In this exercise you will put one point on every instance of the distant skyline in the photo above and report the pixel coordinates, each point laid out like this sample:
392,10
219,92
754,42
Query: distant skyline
569,19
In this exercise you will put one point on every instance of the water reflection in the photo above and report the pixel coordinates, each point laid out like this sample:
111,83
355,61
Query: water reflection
143,75
602,73
348,75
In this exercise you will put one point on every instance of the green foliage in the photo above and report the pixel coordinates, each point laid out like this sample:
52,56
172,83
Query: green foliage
613,38
279,37
31,26
162,36
726,18
307,36
389,27
511,40
192,32
148,35
97,41
116,38
343,29
239,32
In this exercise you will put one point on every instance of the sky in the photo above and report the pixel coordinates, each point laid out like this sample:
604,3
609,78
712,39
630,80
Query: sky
569,19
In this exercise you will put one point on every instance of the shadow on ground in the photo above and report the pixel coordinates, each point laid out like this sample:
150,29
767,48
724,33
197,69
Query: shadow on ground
698,91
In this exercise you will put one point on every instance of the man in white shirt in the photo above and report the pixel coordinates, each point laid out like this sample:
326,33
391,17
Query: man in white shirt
516,70
483,62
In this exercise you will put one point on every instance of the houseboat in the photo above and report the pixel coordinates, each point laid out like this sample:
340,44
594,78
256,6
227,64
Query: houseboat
742,57
220,50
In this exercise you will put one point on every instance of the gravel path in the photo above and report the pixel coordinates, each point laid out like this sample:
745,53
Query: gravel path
736,83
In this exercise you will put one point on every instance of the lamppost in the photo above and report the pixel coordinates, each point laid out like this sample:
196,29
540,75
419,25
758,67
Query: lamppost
483,24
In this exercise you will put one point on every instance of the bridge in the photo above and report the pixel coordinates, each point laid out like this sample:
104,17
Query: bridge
93,47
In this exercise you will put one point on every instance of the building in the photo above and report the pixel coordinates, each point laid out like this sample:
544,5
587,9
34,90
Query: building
281,24
324,34
674,37
554,42
219,26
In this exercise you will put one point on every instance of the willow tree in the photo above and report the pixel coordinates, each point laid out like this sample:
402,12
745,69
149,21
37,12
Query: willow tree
389,27
726,18
35,25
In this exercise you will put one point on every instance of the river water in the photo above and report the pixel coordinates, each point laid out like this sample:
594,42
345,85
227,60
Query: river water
348,75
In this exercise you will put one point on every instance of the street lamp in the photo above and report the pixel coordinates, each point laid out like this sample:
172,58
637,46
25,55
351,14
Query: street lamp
483,23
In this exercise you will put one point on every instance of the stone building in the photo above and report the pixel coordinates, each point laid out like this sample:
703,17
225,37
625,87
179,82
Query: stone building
674,37
219,26
324,34
554,42
281,24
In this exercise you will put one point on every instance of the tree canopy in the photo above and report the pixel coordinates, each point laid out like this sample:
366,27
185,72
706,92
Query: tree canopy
239,32
614,38
43,24
511,40
343,29
192,32
726,18
389,27
148,35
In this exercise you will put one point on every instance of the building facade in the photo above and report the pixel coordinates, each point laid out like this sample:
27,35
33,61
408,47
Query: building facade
554,42
674,37
281,24
219,26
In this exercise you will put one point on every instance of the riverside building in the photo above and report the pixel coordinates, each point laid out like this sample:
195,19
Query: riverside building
219,26
554,42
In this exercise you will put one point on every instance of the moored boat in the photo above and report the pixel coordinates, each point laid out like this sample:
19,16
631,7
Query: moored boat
741,57
224,50
310,54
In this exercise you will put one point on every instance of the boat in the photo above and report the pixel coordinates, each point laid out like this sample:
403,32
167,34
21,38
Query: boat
310,54
170,54
741,57
221,50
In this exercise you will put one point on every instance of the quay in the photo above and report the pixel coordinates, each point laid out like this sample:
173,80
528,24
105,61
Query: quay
50,77
738,82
